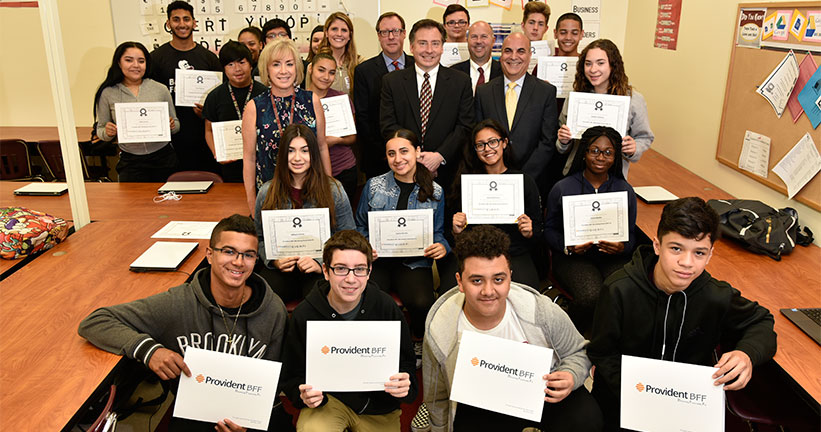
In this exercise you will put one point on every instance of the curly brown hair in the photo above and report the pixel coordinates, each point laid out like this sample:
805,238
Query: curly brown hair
618,83
483,241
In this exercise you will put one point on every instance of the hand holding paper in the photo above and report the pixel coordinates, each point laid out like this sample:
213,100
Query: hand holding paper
436,251
734,365
399,385
558,385
167,364
525,226
227,425
311,398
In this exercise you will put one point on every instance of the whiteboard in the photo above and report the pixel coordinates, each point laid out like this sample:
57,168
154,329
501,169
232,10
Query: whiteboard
219,21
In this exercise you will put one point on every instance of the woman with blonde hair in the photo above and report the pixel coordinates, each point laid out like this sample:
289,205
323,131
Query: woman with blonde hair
339,40
267,115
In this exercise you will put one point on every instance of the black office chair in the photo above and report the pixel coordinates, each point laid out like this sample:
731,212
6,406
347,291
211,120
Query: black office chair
15,162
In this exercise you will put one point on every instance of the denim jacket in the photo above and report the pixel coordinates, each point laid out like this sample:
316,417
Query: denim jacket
382,193
342,211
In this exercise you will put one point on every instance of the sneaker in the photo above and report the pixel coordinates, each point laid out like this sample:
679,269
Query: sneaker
417,349
421,421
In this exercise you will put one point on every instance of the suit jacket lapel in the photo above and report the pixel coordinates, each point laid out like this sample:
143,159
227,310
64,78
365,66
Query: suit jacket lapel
499,102
524,98
412,94
439,93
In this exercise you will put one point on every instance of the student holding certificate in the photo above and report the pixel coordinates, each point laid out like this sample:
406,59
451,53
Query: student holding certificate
126,82
601,70
299,182
343,161
409,185
581,269
491,154
267,115
227,101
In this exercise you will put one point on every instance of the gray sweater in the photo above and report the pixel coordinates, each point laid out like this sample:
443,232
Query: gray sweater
183,316
543,322
150,91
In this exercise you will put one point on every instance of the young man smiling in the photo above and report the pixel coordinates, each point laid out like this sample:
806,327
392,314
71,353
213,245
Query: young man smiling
568,33
346,295
664,305
487,302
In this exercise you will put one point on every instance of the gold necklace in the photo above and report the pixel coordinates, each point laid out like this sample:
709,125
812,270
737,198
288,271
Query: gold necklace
222,313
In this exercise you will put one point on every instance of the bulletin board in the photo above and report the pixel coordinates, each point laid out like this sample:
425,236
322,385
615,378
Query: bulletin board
219,21
745,110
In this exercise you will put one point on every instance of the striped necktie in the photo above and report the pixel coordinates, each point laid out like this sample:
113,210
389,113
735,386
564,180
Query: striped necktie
425,98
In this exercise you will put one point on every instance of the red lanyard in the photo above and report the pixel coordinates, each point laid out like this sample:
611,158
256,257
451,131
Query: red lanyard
276,114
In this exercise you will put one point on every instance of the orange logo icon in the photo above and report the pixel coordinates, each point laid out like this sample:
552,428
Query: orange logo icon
200,378
474,361
640,387
325,350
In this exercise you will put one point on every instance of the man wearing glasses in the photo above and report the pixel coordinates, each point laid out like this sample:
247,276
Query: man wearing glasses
346,295
225,307
390,30
456,19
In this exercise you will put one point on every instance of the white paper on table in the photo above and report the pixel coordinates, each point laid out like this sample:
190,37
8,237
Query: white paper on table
454,52
227,140
186,230
295,232
779,84
659,395
338,116
493,198
559,71
595,217
799,165
351,355
501,375
241,389
142,122
538,49
586,110
191,86
400,233
755,154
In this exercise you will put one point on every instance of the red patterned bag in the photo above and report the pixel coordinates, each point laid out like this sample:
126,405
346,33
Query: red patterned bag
24,232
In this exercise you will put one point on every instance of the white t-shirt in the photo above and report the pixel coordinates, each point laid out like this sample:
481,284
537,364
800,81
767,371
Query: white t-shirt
508,328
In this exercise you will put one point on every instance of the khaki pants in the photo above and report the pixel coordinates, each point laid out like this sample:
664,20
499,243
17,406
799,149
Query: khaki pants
335,416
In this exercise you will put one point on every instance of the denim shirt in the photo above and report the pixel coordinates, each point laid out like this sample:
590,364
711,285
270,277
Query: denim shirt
382,193
342,211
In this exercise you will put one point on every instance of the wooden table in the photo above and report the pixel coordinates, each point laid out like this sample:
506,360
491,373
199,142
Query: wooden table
40,133
795,281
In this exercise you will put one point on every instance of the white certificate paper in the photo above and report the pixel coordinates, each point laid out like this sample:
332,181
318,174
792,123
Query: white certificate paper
493,198
538,49
227,140
351,355
586,110
297,232
755,154
659,395
241,389
799,166
338,116
142,122
454,52
595,217
186,230
779,85
192,86
501,375
559,71
400,233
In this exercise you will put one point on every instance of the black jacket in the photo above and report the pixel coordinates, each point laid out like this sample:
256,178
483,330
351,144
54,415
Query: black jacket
377,306
630,318
495,69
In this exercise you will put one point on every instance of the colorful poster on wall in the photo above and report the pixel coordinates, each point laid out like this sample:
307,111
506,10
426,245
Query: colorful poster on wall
799,24
805,70
502,3
750,22
476,3
669,15
769,26
782,24
813,31
445,2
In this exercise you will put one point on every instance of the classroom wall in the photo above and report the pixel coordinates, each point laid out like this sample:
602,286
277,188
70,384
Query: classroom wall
685,94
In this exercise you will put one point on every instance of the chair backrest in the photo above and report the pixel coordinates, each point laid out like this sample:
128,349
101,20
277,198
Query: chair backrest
195,176
53,157
15,162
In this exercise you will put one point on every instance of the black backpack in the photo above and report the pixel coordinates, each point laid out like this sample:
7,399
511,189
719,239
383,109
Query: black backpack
761,228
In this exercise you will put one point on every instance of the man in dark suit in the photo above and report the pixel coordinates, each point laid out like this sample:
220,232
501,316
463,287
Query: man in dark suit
480,65
525,105
390,29
434,102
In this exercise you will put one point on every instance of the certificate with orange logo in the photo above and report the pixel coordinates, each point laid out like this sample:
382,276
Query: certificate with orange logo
659,395
227,386
501,375
351,355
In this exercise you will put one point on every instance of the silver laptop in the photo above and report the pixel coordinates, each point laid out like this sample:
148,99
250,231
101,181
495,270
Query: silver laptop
163,256
654,194
42,189
185,187
807,319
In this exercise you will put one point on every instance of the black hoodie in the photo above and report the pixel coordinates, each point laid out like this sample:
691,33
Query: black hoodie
630,320
375,306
